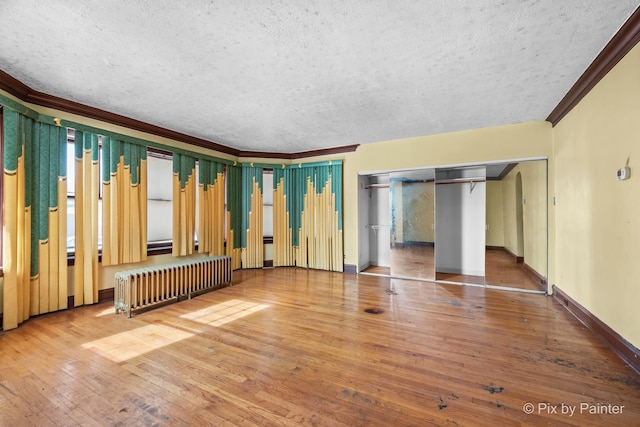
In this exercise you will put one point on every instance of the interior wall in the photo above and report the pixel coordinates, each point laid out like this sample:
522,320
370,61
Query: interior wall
494,215
598,217
535,209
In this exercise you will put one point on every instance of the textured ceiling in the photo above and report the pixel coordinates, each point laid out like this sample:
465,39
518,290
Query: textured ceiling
291,76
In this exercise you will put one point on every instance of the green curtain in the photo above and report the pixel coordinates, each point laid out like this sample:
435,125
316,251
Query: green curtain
184,204
234,214
308,215
211,208
124,214
252,217
34,225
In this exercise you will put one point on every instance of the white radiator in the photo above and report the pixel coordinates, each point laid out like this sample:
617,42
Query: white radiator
148,286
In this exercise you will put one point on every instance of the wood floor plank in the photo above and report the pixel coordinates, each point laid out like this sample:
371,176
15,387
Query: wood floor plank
290,346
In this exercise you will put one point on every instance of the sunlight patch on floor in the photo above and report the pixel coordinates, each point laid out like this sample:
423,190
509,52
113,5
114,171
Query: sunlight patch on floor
127,345
106,311
224,312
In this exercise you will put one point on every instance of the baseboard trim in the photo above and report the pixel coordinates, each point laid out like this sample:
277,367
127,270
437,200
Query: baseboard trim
623,348
350,269
538,279
413,243
268,263
104,295
519,259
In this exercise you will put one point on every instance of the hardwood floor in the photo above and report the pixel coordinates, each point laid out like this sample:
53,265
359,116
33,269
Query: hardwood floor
291,346
501,268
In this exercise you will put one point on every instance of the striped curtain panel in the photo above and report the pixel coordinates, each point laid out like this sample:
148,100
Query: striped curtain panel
35,217
307,204
234,215
211,210
285,240
252,217
184,204
124,202
323,211
86,218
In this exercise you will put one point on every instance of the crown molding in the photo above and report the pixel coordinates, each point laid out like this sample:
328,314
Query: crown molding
23,92
300,154
621,43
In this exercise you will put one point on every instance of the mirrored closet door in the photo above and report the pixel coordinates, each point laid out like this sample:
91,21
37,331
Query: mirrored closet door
412,202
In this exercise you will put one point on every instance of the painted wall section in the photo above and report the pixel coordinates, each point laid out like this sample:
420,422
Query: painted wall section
534,192
495,223
598,217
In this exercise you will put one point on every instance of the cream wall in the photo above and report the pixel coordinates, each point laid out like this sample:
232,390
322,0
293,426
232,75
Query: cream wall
495,221
519,141
534,193
598,217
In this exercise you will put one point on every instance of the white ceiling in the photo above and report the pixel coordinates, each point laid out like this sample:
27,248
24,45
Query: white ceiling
290,75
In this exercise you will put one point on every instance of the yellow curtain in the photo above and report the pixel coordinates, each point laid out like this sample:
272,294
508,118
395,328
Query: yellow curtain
86,218
283,217
184,204
307,205
211,207
124,202
34,203
252,217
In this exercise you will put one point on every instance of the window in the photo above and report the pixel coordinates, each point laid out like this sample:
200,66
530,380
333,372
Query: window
267,203
71,190
159,196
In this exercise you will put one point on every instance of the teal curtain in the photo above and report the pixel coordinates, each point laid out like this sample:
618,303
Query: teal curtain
124,201
249,176
314,213
208,172
234,205
34,223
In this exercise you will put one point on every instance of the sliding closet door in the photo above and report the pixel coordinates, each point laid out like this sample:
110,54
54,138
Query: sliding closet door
516,254
460,224
412,198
